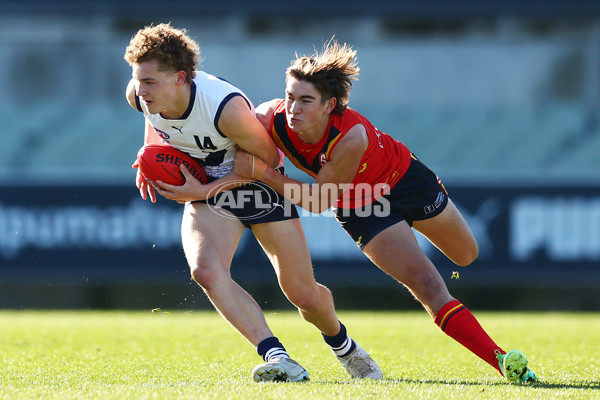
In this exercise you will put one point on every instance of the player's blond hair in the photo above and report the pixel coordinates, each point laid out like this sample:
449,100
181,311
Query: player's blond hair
331,72
172,48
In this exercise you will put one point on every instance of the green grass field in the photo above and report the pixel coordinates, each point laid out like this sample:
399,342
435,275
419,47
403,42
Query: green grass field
197,355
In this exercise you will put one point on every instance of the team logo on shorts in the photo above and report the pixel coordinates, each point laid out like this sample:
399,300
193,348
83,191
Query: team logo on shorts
437,204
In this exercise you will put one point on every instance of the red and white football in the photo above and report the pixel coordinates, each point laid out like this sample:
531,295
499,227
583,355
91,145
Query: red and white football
160,162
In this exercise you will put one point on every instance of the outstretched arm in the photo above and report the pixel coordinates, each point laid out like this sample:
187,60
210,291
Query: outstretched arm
334,177
247,130
239,123
193,190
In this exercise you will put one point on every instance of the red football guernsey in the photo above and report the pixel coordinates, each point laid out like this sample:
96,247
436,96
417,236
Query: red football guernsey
384,162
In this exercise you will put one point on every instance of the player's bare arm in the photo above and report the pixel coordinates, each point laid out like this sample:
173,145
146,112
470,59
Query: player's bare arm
238,122
193,189
318,197
264,112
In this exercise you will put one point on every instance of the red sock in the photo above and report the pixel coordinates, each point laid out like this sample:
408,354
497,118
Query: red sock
457,322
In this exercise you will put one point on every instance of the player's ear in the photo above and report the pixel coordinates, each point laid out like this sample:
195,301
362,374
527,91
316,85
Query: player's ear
331,103
181,75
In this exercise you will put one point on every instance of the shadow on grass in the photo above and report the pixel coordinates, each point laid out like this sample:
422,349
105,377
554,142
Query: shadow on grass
595,385
538,385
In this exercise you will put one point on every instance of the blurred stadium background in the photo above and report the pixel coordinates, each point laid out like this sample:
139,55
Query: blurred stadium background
500,98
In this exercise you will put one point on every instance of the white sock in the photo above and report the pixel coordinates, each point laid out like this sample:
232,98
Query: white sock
345,348
275,353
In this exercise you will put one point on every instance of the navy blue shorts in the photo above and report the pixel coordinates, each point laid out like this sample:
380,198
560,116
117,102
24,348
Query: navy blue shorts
254,203
417,196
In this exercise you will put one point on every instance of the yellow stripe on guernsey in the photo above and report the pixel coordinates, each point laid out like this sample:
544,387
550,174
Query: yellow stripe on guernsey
331,144
289,155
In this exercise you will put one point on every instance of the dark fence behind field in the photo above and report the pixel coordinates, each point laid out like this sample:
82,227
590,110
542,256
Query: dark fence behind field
102,246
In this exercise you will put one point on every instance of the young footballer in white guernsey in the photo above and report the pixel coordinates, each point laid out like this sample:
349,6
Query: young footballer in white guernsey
207,117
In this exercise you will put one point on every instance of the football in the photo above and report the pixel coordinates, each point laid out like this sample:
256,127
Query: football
160,162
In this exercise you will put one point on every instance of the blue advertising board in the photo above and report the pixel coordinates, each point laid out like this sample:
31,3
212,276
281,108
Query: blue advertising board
543,234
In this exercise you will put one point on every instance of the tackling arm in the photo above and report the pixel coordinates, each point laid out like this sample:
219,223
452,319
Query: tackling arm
193,190
334,176
238,122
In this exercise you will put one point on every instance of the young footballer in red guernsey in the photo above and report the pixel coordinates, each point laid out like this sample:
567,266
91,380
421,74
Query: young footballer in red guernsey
380,190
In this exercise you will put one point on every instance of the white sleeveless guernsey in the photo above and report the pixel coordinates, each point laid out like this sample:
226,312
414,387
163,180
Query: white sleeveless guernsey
197,133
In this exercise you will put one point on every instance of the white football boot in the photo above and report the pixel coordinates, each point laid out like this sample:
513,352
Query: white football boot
280,370
359,364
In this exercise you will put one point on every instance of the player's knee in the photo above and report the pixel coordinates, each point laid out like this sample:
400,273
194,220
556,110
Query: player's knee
425,286
302,300
467,256
305,298
203,275
423,280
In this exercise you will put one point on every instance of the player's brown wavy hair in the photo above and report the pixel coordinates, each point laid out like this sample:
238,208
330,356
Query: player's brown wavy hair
331,71
172,48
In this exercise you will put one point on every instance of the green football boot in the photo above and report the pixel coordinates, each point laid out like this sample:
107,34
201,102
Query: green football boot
514,367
